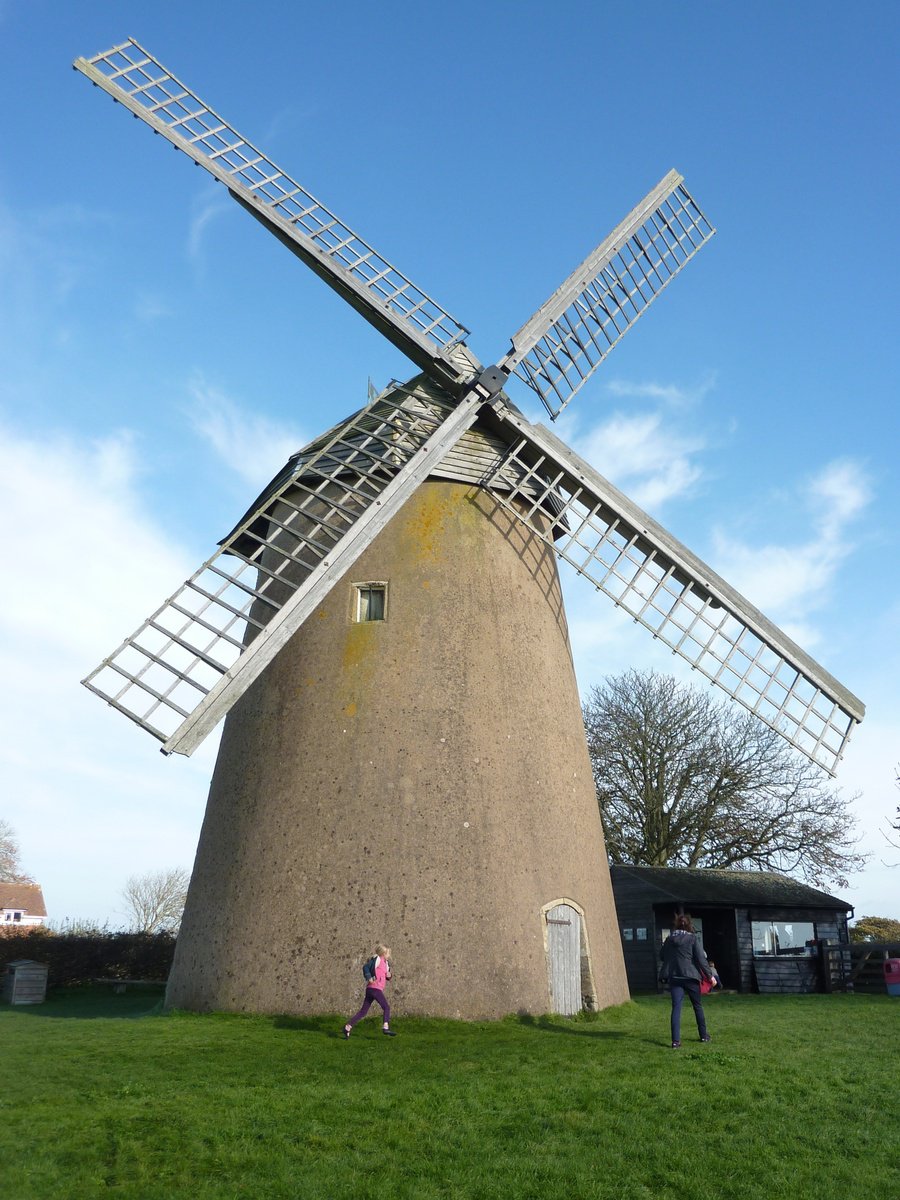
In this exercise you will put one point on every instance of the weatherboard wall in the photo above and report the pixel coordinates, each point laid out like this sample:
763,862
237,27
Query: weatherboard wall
647,898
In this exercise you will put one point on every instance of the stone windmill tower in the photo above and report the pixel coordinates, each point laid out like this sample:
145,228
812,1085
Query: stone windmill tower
403,756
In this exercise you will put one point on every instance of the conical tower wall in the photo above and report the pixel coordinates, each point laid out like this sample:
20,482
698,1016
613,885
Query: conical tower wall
421,781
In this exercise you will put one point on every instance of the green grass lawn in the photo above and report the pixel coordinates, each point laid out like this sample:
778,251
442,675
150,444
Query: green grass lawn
104,1095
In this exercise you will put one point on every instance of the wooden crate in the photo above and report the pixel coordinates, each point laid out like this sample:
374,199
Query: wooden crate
25,982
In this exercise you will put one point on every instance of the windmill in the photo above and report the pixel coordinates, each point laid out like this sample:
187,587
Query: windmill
403,755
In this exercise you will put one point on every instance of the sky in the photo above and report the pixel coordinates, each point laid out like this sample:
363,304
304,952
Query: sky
162,354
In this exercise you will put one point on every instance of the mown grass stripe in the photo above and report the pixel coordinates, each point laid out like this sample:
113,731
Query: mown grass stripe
104,1095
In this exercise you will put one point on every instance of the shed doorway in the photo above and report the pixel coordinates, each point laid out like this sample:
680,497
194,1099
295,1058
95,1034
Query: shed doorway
718,936
564,942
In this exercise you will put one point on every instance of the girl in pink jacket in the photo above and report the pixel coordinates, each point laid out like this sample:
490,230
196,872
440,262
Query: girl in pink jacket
375,991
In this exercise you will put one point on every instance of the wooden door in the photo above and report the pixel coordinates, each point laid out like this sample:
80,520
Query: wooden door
564,954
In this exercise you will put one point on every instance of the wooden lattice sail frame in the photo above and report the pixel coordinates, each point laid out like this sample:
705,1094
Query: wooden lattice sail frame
240,636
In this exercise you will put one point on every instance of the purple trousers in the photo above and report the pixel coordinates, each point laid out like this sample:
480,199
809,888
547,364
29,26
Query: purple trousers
376,994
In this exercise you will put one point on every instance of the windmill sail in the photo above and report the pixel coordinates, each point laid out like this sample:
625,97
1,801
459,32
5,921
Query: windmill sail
406,315
558,349
668,590
181,671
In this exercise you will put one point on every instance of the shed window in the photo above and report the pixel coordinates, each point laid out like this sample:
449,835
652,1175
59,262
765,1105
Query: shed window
370,601
783,938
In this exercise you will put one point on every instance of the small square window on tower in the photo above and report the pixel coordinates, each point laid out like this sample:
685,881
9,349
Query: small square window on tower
370,601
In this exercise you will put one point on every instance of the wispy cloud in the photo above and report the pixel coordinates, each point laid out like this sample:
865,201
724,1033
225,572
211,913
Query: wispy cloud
149,307
792,580
252,446
42,259
645,455
82,548
286,120
206,208
83,564
837,495
671,394
646,446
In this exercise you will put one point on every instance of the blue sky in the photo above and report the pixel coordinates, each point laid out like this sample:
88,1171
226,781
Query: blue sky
162,355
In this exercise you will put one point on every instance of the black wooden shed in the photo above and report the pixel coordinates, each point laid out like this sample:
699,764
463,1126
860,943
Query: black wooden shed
764,931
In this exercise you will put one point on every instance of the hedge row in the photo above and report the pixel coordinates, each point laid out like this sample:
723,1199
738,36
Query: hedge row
81,958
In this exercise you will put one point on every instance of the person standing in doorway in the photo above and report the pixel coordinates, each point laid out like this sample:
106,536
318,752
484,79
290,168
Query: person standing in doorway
683,966
375,992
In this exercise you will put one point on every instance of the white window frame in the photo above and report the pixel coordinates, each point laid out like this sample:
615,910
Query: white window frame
357,592
772,941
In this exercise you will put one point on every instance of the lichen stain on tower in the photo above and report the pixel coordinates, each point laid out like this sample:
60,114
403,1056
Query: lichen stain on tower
357,663
437,509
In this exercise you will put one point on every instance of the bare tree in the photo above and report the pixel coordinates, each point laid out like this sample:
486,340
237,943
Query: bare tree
894,825
155,902
10,867
683,781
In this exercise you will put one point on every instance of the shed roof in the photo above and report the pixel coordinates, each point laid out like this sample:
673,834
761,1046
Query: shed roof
706,885
26,896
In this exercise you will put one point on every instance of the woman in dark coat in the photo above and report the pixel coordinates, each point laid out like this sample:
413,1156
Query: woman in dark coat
683,966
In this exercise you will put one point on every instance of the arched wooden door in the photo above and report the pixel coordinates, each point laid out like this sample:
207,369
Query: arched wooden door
564,958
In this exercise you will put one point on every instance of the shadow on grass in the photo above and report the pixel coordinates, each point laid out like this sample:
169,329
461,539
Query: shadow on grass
332,1026
574,1028
325,1026
329,1026
93,1003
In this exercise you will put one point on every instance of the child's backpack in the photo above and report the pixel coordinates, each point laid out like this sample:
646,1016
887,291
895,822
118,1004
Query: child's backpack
369,969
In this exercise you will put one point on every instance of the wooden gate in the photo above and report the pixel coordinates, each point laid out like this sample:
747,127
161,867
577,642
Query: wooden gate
564,956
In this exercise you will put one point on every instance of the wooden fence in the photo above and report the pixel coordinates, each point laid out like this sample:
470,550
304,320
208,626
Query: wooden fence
857,967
